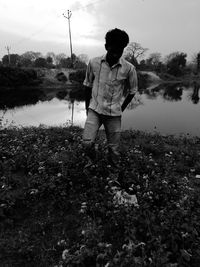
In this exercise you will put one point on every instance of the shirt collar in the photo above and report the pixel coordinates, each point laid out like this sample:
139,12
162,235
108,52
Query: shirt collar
103,59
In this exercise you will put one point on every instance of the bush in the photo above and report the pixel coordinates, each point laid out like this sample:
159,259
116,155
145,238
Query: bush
16,98
77,76
142,80
61,77
13,77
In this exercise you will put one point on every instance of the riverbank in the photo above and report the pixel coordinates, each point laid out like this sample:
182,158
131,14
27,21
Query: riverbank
43,79
55,213
62,79
185,79
19,86
34,78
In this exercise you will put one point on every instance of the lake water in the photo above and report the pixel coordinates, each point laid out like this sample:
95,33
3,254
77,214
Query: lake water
169,109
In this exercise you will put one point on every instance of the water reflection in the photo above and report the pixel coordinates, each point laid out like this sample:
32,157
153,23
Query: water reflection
51,113
170,92
18,98
166,108
173,93
195,94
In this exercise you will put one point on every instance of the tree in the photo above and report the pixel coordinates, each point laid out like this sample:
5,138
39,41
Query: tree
133,52
194,64
52,55
32,56
65,62
25,62
49,60
155,58
176,62
28,58
142,65
73,57
153,62
81,62
40,62
59,57
14,59
5,60
83,58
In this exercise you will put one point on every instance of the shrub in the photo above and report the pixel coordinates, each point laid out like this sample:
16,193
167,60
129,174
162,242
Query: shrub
77,76
12,76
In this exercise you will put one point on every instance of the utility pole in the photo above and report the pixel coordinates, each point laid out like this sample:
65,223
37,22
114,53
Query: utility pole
8,51
72,120
68,16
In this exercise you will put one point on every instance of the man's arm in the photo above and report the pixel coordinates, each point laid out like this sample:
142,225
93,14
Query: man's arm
133,87
127,100
88,95
88,83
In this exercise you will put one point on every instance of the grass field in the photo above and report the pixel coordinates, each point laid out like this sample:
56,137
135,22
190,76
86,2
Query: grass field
53,212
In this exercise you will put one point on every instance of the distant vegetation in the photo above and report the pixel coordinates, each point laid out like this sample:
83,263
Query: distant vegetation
13,77
32,59
24,70
175,64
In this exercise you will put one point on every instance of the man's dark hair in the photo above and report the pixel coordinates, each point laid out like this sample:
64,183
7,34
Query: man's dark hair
117,37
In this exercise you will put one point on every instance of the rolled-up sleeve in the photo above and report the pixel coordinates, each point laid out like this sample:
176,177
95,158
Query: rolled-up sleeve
133,81
89,77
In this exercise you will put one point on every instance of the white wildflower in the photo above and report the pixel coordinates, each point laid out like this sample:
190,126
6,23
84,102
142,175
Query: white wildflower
65,254
34,191
122,198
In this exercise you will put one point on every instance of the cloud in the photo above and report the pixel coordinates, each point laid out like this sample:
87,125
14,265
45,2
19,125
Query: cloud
85,6
76,6
160,25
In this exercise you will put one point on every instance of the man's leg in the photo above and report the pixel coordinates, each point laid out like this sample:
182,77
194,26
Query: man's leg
92,125
113,131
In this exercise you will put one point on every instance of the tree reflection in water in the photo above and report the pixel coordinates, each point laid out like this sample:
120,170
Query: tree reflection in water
173,93
168,106
18,98
169,92
195,94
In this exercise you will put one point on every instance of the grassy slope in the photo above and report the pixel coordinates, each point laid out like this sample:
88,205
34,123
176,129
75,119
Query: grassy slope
48,204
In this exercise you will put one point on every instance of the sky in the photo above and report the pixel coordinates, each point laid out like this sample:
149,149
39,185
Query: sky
163,26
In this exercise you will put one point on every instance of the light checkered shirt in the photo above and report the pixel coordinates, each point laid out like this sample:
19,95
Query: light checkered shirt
110,84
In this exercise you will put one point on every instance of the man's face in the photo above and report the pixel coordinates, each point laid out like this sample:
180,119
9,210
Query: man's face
114,52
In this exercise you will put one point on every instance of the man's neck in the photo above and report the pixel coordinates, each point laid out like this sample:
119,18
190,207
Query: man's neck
111,62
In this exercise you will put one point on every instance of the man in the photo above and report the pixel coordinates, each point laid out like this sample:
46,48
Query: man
107,78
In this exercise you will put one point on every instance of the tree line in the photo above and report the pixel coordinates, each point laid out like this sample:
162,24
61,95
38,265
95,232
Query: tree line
175,63
50,60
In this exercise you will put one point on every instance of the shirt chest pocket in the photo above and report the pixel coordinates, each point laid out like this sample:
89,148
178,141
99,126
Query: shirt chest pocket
118,82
